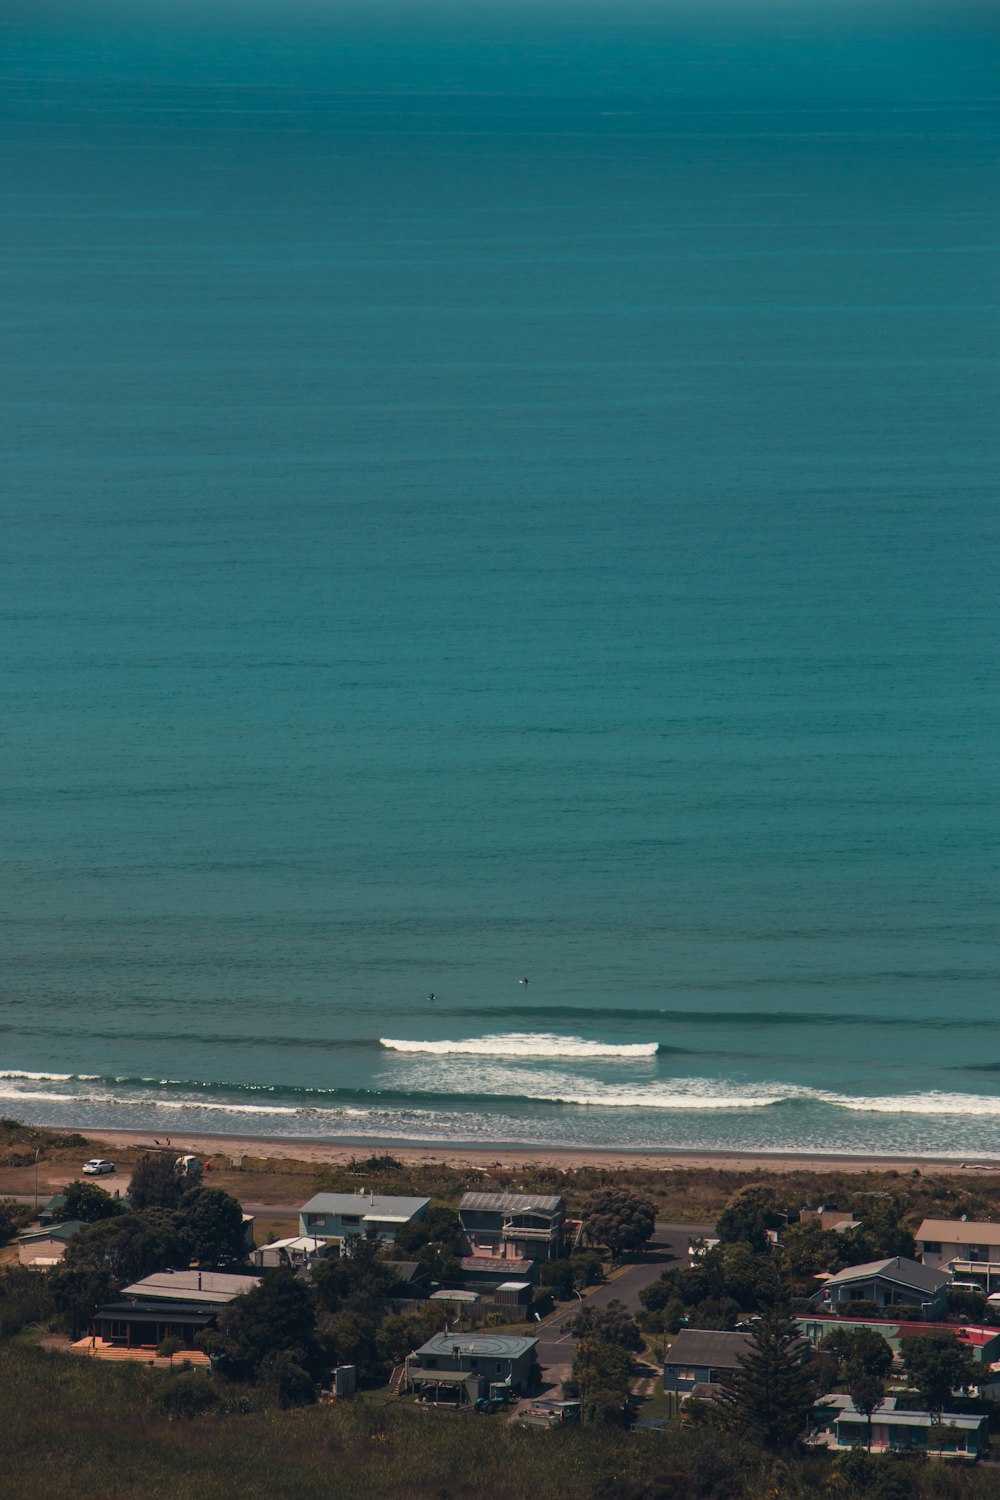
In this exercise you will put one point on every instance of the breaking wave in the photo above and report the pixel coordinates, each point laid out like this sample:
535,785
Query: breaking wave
524,1044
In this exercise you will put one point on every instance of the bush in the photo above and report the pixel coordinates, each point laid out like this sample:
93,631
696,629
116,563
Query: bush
188,1395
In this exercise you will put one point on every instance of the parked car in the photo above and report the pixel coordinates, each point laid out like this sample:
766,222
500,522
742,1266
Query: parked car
98,1167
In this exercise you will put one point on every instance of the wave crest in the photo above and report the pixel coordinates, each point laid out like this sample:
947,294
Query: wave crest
523,1044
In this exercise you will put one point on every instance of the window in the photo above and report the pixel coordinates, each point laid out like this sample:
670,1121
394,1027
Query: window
931,1247
346,1219
430,1363
499,1368
684,1372
977,1252
315,1221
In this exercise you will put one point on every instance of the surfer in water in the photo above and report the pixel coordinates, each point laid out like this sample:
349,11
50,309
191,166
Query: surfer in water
524,980
432,996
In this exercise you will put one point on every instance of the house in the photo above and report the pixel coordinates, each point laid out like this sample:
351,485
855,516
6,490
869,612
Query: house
982,1343
170,1303
830,1218
337,1216
956,1435
970,1248
459,1368
888,1282
299,1250
46,1247
702,1356
512,1226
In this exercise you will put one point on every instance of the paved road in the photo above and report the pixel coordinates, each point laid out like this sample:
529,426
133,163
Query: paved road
668,1246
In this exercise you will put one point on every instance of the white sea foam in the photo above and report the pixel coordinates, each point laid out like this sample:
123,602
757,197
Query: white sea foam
523,1044
933,1103
15,1073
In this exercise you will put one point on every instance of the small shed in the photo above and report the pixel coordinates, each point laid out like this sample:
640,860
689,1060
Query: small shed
512,1294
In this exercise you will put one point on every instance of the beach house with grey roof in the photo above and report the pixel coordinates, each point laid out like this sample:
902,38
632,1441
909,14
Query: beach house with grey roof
335,1217
887,1283
512,1226
702,1356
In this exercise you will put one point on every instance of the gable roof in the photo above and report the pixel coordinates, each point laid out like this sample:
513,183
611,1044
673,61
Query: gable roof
896,1268
366,1206
191,1286
708,1346
63,1232
960,1231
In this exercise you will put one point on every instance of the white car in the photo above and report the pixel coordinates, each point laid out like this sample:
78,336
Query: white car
98,1167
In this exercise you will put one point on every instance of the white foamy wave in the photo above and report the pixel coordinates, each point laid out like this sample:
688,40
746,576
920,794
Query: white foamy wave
16,1073
523,1044
932,1103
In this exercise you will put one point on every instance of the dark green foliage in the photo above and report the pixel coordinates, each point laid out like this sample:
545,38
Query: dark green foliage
860,1349
557,1275
170,1346
25,1298
438,1224
601,1380
87,1201
892,1477
289,1382
866,1391
619,1219
275,1317
155,1183
971,1305
769,1398
76,1290
13,1216
212,1225
351,1338
187,1395
612,1324
127,1247
937,1364
748,1218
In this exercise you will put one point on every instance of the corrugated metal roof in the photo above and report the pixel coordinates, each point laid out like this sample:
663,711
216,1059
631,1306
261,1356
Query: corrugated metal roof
192,1286
371,1205
510,1203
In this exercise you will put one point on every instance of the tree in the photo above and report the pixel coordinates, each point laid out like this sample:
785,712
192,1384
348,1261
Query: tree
155,1183
212,1223
13,1216
769,1397
613,1324
90,1203
866,1391
275,1316
77,1291
619,1219
441,1224
557,1275
937,1364
127,1247
601,1380
170,1346
351,1339
861,1350
288,1381
748,1218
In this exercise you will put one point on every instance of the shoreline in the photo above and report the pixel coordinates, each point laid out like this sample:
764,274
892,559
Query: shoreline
339,1153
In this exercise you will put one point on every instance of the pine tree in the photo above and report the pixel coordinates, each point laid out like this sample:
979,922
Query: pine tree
770,1396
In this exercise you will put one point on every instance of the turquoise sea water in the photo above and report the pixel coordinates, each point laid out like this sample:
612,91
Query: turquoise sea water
494,494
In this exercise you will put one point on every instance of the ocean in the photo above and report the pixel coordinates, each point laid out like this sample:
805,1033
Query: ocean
500,493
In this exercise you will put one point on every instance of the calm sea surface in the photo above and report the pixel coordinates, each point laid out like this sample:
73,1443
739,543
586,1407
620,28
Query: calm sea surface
496,495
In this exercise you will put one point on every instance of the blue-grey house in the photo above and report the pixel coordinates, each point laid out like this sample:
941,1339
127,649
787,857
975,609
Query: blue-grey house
336,1216
701,1356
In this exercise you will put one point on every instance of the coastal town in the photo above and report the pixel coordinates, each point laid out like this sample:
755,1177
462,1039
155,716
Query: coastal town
857,1334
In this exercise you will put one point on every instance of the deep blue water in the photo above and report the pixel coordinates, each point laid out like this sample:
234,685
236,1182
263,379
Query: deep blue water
497,493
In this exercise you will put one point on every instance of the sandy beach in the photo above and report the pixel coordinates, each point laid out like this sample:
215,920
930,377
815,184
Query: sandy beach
324,1153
